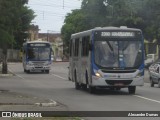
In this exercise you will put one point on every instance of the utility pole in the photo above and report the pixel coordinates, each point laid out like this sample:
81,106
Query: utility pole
47,35
63,4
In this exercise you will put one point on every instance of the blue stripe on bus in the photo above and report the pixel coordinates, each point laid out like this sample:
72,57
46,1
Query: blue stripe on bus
94,66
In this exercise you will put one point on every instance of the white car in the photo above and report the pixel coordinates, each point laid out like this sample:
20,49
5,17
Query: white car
52,58
154,72
58,59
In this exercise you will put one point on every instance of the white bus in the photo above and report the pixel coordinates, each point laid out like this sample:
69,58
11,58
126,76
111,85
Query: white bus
37,56
109,57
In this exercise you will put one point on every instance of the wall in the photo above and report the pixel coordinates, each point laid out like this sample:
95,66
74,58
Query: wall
12,55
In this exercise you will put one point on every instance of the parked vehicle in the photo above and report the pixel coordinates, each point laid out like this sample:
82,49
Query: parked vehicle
52,58
154,72
58,59
150,59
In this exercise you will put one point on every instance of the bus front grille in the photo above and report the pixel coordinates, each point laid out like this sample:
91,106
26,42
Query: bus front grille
118,71
114,82
38,64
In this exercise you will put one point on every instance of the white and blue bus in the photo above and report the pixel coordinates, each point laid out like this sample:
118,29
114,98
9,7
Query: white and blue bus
37,56
109,57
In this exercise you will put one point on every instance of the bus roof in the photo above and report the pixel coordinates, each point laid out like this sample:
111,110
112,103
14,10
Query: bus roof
106,28
36,41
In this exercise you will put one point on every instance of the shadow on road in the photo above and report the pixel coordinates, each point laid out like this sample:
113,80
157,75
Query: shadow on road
106,91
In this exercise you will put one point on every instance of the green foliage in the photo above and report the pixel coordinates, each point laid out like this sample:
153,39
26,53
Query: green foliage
142,14
15,18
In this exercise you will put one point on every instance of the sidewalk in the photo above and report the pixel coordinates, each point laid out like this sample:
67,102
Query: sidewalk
11,101
16,101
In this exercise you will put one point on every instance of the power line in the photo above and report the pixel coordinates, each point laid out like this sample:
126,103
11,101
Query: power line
54,5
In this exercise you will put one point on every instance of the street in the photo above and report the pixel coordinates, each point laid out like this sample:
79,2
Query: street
55,86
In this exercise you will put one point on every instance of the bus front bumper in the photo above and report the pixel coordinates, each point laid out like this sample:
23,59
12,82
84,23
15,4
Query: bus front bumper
28,67
104,82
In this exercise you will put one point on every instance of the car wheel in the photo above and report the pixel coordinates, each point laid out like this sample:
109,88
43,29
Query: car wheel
159,83
28,71
47,71
151,82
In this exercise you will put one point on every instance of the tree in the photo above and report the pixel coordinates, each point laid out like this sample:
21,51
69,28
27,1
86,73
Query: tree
101,13
5,39
74,22
11,23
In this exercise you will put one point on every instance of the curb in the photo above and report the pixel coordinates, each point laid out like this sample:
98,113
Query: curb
10,73
6,75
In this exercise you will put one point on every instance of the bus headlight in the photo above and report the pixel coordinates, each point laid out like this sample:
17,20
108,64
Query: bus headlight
29,63
98,74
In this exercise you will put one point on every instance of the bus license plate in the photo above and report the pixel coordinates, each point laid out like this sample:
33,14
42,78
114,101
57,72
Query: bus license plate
118,84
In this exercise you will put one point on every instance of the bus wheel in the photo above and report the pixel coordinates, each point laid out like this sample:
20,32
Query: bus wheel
85,85
77,86
92,89
132,89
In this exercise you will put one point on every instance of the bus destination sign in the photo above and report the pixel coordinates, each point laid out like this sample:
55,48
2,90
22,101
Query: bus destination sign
117,34
38,45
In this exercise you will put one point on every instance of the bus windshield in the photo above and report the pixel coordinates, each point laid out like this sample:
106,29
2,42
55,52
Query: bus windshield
118,53
38,53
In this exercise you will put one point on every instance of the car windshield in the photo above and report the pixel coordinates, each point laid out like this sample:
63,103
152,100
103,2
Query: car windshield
118,53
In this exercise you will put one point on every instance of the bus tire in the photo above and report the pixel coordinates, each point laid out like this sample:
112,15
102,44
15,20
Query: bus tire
132,89
92,89
77,86
84,86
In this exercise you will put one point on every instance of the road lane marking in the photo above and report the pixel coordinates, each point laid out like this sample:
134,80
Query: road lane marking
19,76
15,74
147,98
59,76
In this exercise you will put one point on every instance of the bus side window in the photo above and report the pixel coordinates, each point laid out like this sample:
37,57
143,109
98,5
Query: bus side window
85,46
76,51
70,48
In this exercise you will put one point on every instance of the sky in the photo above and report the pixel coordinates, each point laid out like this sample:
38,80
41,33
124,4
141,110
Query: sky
50,14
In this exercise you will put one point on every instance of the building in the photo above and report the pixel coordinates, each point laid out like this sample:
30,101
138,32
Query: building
33,32
54,38
151,47
56,41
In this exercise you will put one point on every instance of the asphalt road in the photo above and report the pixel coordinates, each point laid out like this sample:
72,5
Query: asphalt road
56,86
